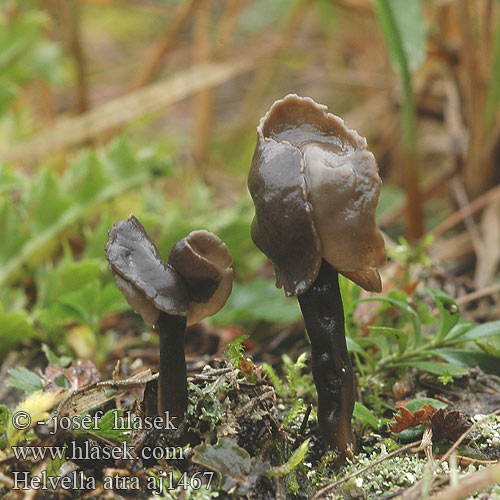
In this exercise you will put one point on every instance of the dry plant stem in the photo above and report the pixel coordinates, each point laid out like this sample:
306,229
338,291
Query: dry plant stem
226,26
267,67
71,11
172,380
165,44
484,292
322,491
474,206
470,224
476,173
68,131
323,313
473,482
203,100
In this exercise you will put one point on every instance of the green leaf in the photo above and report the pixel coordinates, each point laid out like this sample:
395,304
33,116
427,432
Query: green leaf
418,403
471,359
491,329
256,301
50,207
275,380
415,432
459,330
394,334
235,349
412,29
404,49
9,180
106,427
449,315
67,277
296,458
53,359
405,308
435,367
4,420
14,329
24,379
89,305
363,414
356,346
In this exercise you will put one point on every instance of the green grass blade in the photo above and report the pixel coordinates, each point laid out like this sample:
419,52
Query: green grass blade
394,41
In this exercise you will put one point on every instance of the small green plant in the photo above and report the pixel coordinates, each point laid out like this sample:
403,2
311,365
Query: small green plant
235,350
408,255
402,338
294,386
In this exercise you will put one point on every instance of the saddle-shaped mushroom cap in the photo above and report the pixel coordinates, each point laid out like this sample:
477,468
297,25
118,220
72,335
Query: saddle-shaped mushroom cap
147,283
204,262
315,187
195,283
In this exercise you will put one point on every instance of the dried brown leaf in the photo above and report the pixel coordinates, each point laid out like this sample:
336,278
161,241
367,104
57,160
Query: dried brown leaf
449,424
408,419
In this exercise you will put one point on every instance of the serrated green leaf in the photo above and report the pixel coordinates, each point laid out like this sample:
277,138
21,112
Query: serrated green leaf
235,349
24,379
50,207
67,277
88,305
14,329
45,201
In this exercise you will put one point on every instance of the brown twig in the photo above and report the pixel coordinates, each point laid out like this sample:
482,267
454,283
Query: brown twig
476,481
267,66
165,44
226,26
203,100
487,290
72,20
470,224
471,208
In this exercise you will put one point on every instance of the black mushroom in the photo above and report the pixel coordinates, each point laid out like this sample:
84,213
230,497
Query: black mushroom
194,284
315,187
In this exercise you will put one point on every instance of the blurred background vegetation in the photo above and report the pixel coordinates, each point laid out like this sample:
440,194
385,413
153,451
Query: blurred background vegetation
109,107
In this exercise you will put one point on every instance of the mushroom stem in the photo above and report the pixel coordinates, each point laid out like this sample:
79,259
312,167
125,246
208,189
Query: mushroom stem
172,382
323,313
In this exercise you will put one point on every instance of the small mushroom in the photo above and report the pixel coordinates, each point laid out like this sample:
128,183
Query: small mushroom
315,187
194,284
